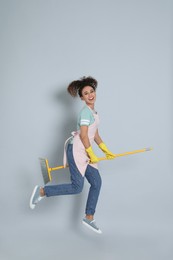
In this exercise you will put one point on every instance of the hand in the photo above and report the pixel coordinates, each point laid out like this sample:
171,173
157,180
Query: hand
109,154
92,156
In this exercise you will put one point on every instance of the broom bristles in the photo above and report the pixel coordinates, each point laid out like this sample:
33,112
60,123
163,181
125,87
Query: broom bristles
44,170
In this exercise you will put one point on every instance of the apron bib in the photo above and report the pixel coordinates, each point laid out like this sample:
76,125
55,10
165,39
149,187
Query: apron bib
80,156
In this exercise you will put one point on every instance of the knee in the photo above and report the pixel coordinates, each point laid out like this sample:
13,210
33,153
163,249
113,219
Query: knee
97,183
78,187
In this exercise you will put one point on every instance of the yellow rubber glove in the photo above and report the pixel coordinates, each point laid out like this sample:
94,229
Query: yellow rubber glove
92,156
109,154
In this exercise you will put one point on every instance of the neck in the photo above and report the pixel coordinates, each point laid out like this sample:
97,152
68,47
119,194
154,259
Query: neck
91,106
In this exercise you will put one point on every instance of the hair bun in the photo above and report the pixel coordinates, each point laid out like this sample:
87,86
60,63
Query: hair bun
76,86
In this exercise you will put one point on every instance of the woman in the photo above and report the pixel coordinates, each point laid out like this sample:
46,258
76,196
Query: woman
81,158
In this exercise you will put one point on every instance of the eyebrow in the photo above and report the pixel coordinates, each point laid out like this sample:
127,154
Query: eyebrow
92,90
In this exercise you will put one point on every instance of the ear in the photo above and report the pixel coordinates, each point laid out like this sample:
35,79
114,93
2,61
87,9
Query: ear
82,98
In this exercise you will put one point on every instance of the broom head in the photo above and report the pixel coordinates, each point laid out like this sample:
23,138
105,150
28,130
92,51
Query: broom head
45,170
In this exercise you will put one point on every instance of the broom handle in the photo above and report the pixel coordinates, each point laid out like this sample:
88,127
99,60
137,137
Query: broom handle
128,153
104,158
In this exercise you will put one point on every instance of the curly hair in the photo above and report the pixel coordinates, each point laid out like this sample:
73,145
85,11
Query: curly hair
75,87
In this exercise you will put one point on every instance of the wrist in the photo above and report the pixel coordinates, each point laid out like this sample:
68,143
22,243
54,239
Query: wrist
101,144
103,147
89,149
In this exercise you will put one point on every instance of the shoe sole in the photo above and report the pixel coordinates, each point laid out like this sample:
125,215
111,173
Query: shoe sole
93,229
32,206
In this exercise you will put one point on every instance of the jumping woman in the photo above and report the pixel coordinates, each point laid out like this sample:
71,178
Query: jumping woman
80,156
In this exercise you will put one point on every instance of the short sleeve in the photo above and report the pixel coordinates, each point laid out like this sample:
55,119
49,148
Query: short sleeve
85,117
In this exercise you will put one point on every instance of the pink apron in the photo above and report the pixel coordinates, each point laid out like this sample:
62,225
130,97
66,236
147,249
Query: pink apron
80,156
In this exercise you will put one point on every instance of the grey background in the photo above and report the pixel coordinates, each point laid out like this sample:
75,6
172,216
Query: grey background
127,47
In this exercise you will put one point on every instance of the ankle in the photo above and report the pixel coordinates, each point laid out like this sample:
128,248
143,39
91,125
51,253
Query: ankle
42,193
90,217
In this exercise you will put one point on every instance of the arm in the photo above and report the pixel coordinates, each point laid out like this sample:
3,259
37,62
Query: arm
84,136
103,147
97,138
85,140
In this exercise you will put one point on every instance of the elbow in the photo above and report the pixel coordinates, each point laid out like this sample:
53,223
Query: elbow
83,137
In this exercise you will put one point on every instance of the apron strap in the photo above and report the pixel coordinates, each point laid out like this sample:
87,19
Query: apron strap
65,146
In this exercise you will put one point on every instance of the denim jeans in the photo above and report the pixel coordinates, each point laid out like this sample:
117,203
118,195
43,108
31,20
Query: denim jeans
77,182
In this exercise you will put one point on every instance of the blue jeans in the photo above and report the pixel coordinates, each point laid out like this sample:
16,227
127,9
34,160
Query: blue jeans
77,182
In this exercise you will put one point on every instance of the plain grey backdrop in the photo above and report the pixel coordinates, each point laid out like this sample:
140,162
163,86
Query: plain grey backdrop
127,46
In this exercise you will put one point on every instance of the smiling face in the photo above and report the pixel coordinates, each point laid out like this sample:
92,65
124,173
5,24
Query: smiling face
89,96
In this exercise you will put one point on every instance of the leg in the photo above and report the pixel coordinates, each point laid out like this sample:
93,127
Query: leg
93,177
77,180
75,187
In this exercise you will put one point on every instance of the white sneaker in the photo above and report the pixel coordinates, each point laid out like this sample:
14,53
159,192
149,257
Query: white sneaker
35,197
92,225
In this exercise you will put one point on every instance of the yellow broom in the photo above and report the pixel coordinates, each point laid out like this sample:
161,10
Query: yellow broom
46,170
